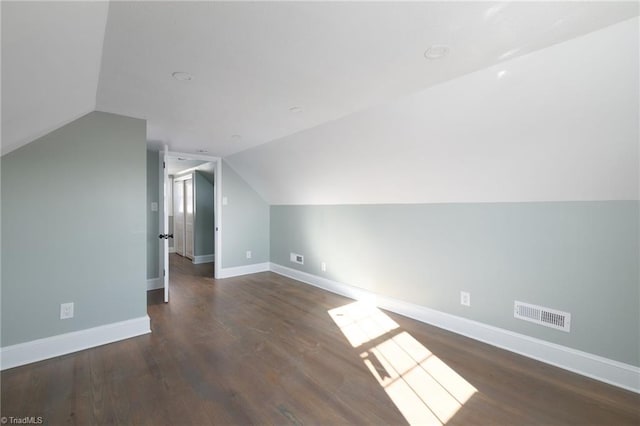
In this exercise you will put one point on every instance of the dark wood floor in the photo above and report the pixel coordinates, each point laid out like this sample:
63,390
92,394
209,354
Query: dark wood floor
264,349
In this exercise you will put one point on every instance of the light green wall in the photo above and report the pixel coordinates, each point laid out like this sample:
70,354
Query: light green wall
245,222
74,228
204,221
580,257
153,218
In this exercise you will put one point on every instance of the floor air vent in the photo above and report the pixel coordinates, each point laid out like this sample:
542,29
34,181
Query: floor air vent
543,316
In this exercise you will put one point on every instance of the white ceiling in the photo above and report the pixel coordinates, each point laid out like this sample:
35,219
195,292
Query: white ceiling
182,165
51,53
342,63
252,62
177,165
555,125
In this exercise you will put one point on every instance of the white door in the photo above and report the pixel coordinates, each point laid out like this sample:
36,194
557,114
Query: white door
165,226
178,216
188,218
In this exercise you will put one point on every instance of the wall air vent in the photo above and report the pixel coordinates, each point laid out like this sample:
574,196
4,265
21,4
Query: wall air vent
543,316
296,258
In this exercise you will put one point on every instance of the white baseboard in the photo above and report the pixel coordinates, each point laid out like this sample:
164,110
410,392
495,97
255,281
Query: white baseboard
205,258
606,370
243,270
62,344
172,249
155,283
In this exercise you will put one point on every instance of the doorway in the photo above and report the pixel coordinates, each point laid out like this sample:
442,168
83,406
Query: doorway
190,222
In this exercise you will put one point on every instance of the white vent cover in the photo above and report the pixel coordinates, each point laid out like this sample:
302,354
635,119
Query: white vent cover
543,316
297,258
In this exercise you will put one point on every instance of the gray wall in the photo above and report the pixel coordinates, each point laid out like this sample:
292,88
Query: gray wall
153,218
245,222
74,228
580,257
204,221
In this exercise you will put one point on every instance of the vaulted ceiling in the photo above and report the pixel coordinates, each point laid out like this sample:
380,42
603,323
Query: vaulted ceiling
299,91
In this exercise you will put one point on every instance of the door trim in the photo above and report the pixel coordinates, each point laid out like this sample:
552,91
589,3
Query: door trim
217,204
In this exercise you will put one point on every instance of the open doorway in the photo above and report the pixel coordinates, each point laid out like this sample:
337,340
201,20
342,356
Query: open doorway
191,218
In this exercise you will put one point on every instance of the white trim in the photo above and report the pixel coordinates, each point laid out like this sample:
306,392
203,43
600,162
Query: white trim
606,370
217,213
155,283
205,258
172,249
244,270
62,344
165,181
217,204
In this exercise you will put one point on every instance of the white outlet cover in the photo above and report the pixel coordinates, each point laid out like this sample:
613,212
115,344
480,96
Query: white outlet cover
465,298
248,254
66,310
154,207
323,266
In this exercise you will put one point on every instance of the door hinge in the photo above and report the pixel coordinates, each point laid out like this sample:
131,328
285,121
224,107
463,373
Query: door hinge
164,165
164,272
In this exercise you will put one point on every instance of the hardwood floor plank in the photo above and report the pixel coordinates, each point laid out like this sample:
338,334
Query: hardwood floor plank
264,349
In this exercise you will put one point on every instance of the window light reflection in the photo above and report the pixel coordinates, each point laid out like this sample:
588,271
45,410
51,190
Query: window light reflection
423,387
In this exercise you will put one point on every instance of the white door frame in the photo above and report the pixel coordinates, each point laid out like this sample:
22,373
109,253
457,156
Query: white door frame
181,179
217,211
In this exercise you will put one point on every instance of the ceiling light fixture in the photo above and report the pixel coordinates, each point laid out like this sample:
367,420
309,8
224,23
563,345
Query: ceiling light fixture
235,137
182,76
295,109
436,51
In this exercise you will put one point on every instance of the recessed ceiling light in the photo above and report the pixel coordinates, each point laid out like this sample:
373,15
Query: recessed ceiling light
182,76
295,109
501,74
235,137
436,51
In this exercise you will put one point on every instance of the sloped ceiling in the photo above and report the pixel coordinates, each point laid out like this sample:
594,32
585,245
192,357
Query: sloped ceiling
356,73
253,61
558,124
51,53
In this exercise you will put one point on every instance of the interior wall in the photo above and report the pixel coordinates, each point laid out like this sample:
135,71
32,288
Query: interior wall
74,228
204,224
153,217
578,257
245,222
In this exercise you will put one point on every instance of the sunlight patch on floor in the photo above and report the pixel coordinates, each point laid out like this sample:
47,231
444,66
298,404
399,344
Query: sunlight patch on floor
425,389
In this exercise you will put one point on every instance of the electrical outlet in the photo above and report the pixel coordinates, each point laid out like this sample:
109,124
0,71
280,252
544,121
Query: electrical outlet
66,310
323,266
248,254
465,298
